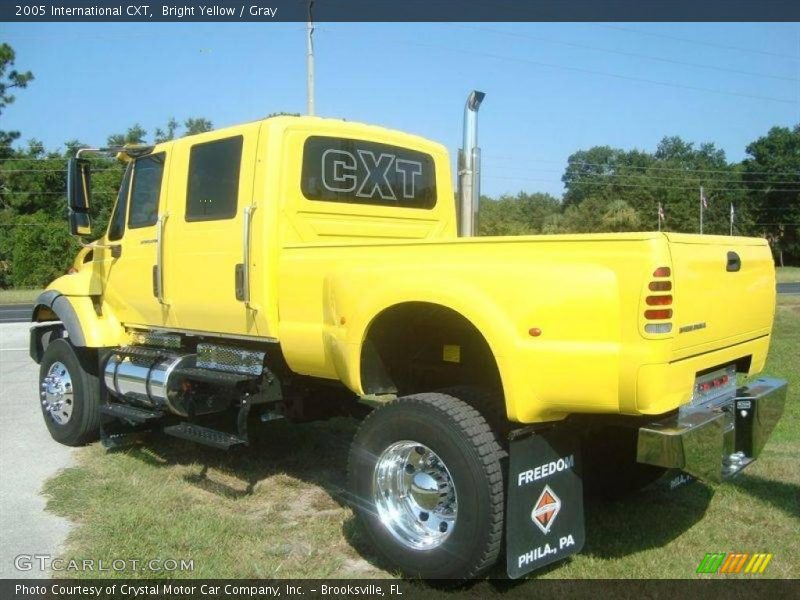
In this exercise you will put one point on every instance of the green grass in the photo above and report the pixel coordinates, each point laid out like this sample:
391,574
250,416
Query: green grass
277,509
787,274
19,296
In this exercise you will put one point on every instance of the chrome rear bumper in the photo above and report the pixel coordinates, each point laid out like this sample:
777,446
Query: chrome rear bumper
714,443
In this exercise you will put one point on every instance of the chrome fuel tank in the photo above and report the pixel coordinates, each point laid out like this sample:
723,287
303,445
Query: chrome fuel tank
144,376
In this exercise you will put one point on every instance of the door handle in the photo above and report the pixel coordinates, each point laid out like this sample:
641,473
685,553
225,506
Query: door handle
158,273
243,275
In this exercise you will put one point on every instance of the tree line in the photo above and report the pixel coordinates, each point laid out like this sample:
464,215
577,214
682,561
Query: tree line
606,190
611,189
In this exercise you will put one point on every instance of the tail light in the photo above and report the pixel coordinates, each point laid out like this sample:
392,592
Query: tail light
662,272
662,314
659,300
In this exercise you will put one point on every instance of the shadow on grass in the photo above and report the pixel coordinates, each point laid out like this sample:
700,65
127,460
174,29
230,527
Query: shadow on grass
780,494
648,519
316,453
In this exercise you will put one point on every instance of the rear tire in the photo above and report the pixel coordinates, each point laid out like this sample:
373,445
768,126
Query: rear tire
69,392
427,484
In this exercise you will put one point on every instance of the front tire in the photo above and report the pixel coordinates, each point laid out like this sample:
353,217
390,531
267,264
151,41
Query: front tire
427,483
69,391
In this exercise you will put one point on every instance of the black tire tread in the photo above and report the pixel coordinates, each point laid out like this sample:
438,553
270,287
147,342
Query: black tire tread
490,405
489,451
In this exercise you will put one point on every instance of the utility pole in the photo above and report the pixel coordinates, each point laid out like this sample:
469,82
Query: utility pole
310,58
702,202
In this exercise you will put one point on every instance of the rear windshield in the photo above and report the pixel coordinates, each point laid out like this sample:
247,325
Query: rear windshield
359,172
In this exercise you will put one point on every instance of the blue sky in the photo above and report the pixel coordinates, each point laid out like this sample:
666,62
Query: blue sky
551,88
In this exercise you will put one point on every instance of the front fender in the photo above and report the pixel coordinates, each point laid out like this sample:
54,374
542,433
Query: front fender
85,324
52,305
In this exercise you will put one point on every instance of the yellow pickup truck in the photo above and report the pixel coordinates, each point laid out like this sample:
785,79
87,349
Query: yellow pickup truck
300,267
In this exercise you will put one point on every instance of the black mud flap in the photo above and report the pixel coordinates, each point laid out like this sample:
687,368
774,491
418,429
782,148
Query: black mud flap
544,508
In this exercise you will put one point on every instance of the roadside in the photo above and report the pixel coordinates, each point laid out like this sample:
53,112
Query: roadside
15,313
787,274
16,304
12,297
28,457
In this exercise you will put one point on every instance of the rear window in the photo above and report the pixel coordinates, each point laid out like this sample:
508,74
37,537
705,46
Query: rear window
359,172
213,188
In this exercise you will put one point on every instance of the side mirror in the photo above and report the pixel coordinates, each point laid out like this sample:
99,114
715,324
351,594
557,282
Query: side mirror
79,185
80,224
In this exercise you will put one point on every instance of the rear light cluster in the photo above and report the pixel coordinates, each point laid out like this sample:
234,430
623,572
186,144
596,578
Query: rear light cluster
716,383
715,387
659,303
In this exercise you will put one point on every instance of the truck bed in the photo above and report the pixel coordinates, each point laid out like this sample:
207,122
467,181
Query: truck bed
585,293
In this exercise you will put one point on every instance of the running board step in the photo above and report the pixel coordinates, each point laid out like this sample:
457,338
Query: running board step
130,413
204,435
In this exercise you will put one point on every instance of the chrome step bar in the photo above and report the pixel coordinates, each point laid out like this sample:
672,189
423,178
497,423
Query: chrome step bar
221,440
715,443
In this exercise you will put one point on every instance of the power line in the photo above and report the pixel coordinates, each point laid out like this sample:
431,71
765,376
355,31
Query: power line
616,175
120,170
591,71
653,168
63,159
633,54
489,161
661,187
153,32
35,193
735,177
30,158
699,42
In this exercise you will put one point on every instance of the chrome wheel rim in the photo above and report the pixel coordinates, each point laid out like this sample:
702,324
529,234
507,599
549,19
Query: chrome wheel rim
414,495
57,393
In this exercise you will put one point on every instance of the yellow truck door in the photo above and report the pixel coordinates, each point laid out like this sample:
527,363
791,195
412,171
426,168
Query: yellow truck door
128,268
210,203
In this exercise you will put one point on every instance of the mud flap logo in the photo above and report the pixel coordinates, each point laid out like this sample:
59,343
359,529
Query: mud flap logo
544,511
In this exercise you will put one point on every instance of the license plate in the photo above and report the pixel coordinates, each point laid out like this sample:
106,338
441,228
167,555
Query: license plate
716,387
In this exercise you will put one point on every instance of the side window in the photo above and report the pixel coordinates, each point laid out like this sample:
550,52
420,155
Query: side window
116,225
145,190
213,187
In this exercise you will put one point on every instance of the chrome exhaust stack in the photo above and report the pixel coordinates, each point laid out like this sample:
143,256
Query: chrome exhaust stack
469,168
